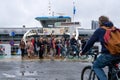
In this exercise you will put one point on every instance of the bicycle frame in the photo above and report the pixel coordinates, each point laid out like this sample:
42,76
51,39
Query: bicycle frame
114,72
92,75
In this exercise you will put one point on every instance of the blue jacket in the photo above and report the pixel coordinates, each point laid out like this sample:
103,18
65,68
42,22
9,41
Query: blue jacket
73,41
98,36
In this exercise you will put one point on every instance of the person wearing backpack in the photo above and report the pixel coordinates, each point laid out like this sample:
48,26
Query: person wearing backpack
105,57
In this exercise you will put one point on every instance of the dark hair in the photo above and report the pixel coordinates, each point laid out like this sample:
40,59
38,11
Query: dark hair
102,20
108,24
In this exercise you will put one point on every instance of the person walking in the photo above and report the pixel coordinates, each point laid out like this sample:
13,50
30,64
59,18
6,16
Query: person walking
30,48
53,46
105,57
73,44
79,44
22,48
83,42
41,46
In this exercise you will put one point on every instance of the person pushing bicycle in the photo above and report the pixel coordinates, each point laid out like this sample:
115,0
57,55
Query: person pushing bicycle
106,57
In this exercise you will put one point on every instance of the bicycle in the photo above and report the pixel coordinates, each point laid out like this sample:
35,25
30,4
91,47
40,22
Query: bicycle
113,72
72,53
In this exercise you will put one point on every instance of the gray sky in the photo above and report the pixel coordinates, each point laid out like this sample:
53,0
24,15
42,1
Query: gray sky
15,13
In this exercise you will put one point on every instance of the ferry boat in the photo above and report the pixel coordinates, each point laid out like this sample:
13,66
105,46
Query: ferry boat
57,25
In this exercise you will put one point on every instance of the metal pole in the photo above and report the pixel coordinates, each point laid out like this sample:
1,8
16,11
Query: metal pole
72,28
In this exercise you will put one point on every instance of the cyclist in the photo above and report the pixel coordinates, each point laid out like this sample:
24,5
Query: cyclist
73,44
105,58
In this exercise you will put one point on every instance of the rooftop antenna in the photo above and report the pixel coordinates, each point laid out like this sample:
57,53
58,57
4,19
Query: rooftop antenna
49,8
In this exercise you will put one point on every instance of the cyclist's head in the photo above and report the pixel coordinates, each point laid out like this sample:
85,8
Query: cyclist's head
102,20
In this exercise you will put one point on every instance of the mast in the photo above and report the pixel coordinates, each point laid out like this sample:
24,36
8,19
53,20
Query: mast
49,8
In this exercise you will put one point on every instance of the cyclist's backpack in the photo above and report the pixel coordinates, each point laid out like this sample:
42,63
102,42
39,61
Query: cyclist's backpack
112,40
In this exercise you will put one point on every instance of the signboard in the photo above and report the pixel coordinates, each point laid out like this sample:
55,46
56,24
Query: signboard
57,31
12,33
67,24
5,49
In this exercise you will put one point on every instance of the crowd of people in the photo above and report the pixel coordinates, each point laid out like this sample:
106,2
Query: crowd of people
44,46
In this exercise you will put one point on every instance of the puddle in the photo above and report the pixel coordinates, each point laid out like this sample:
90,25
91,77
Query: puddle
28,73
30,79
9,75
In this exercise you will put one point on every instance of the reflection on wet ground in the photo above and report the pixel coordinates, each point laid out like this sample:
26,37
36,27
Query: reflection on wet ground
47,58
40,70
13,68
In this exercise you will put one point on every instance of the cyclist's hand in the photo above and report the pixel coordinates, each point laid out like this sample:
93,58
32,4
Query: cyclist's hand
80,53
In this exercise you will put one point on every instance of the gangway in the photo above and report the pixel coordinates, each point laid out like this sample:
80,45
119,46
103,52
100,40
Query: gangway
29,33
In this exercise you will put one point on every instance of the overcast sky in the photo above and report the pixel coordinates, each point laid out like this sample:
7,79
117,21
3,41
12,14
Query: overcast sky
15,13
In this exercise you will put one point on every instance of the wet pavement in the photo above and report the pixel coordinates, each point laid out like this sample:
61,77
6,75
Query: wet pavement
14,68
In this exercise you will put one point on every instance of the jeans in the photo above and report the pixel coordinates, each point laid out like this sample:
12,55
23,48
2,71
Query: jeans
102,61
74,48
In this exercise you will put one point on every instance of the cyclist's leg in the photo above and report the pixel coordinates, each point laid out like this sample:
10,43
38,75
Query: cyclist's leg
102,61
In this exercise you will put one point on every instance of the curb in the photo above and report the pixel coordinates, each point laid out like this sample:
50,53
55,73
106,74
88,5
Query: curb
18,58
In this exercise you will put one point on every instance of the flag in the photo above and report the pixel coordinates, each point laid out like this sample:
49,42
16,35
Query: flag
74,10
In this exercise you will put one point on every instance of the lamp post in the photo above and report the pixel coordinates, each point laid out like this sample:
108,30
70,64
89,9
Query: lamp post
23,30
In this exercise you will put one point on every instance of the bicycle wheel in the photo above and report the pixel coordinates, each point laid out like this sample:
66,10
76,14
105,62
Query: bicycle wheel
84,57
70,54
88,74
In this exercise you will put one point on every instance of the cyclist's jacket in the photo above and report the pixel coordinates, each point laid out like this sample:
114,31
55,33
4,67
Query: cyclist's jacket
98,36
73,41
